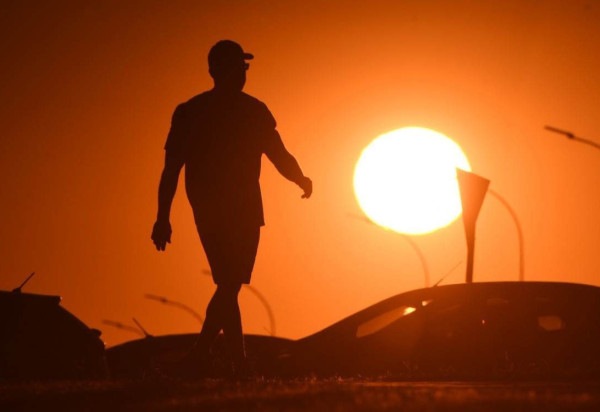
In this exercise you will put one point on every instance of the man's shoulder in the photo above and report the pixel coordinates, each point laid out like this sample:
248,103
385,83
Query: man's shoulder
210,101
251,99
192,106
209,97
255,103
197,100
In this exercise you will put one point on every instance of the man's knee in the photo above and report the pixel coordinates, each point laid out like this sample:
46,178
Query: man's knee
229,289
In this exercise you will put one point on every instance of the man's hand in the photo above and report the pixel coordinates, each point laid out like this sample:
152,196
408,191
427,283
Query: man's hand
161,234
306,185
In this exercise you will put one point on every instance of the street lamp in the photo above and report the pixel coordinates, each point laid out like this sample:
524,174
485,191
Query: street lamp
473,189
515,219
412,244
139,330
122,326
472,193
262,299
164,300
572,136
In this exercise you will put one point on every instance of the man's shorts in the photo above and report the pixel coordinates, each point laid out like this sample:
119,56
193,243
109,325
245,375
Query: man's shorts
231,251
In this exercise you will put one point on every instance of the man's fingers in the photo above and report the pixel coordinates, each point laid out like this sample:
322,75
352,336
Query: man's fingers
307,193
307,186
161,235
160,244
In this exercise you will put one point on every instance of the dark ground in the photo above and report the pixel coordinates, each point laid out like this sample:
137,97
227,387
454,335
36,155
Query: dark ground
299,395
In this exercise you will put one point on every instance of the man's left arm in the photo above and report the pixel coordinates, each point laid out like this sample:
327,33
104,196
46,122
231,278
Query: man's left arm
286,164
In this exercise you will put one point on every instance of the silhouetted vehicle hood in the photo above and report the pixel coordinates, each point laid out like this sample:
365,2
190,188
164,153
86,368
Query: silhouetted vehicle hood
488,329
39,339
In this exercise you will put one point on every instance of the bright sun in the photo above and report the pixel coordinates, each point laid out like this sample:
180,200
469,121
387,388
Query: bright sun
405,180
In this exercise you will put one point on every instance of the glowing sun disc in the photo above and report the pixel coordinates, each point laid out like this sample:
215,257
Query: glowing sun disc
405,180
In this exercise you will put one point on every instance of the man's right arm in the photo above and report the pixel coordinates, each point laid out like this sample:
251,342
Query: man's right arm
161,232
174,160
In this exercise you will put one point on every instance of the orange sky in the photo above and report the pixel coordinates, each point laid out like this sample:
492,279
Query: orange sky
88,92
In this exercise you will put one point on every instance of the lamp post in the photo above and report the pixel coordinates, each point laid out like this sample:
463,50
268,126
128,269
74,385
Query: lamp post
419,253
265,303
164,300
515,219
139,330
122,326
262,299
473,189
412,244
572,136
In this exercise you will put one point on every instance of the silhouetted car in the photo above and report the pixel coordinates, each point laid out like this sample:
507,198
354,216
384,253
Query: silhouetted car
475,330
152,355
40,340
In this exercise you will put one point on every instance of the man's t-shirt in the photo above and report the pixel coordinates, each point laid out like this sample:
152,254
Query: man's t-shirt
221,138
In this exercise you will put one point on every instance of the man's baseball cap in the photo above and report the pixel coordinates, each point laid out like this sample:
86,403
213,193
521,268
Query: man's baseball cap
227,53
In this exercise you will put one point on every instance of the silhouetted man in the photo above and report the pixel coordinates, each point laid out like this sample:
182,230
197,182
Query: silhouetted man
220,137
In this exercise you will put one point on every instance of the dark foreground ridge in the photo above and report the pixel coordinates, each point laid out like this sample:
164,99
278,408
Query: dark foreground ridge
300,395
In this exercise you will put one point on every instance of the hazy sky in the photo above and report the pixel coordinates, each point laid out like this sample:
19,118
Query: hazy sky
88,89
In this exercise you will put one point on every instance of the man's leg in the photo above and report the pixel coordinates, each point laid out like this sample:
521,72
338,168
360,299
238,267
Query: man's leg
213,324
231,252
232,322
223,313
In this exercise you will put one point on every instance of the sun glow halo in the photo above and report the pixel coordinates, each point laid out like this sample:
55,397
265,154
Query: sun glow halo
405,180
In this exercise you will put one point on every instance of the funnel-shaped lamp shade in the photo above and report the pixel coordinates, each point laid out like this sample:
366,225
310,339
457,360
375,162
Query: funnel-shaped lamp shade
473,189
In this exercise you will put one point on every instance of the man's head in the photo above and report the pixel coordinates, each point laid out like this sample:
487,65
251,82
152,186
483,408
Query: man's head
227,65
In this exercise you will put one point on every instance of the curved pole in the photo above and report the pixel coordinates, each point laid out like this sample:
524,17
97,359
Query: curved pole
144,331
262,299
422,259
588,142
411,242
572,136
265,303
122,326
166,301
515,219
